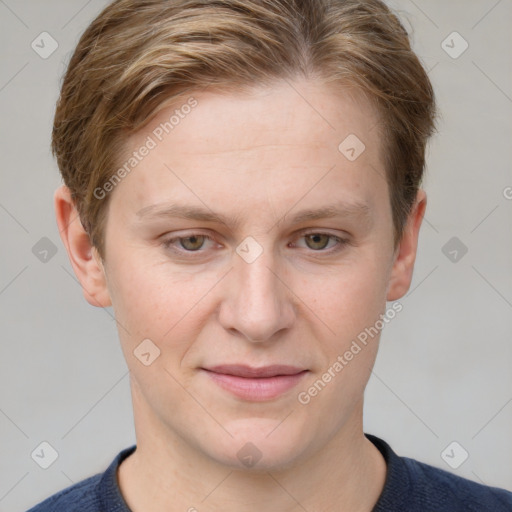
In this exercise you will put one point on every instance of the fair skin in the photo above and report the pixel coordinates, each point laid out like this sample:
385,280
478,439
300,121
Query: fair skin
259,158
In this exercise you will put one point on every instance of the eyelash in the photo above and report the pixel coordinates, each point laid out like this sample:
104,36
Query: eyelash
341,243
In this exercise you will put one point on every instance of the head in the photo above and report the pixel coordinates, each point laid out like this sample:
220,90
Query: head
242,185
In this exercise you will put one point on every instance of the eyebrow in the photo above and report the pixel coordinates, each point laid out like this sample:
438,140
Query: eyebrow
356,210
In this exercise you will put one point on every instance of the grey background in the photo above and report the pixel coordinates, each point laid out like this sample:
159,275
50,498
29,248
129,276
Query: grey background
444,368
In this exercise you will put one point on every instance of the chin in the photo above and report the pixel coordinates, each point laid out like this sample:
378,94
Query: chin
259,444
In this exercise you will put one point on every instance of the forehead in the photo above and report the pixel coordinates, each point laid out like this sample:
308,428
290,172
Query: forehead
270,141
284,112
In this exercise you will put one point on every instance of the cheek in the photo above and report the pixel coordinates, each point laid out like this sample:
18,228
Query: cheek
350,303
348,298
156,301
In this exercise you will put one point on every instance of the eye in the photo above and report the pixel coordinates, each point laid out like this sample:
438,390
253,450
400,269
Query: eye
192,243
324,243
319,242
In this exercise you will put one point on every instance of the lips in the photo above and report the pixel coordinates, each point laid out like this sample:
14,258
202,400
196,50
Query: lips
255,373
255,384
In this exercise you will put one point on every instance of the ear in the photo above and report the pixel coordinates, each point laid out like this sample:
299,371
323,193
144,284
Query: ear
84,258
405,254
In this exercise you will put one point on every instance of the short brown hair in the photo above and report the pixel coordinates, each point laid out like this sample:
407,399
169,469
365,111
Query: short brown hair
139,53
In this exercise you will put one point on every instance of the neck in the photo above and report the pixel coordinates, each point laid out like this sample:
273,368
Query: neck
165,474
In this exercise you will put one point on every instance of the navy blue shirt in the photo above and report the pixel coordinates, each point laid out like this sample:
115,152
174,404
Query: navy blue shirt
410,486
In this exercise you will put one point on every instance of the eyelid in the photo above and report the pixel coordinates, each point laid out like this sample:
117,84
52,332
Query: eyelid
317,231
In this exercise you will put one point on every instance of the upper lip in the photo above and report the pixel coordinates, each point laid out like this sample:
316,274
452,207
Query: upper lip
248,371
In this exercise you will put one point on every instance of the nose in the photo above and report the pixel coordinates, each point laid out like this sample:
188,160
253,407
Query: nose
258,303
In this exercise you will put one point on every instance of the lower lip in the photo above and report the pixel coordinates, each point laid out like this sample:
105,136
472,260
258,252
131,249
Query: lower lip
256,390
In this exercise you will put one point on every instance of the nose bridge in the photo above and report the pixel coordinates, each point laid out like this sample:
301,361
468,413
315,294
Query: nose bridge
258,282
259,305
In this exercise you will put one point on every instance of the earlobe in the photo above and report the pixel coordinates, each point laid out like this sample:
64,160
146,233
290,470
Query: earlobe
82,254
403,265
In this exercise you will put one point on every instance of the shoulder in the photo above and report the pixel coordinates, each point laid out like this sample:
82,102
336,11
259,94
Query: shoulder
81,496
98,493
444,489
414,486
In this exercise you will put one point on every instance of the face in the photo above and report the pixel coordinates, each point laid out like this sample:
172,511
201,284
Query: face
246,238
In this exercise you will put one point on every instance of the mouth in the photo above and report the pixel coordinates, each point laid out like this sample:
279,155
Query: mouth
256,384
